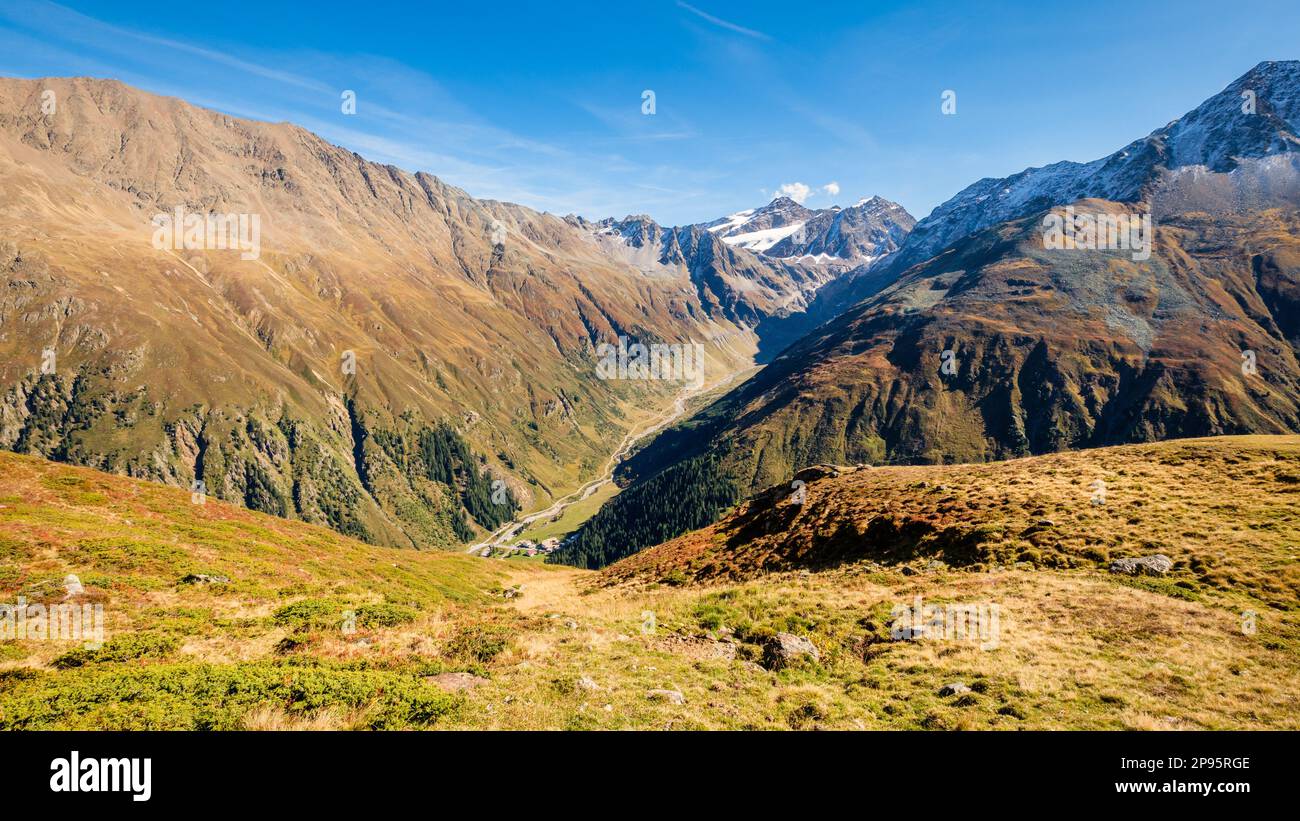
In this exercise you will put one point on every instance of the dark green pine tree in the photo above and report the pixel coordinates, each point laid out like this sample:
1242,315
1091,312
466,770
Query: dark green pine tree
686,496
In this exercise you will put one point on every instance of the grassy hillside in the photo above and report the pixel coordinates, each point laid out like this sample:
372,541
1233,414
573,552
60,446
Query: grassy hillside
1224,509
265,645
450,641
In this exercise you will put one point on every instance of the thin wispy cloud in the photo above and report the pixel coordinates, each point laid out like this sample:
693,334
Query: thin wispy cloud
630,125
552,115
405,116
726,24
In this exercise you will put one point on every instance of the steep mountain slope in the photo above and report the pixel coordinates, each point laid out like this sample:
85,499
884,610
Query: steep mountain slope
1215,136
390,325
1001,347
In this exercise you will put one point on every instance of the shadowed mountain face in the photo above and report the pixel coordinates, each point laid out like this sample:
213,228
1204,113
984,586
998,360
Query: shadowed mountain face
391,348
1000,346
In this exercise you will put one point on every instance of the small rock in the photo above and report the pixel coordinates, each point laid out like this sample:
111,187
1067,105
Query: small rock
909,633
1157,565
670,696
955,689
588,684
785,648
455,682
203,578
812,474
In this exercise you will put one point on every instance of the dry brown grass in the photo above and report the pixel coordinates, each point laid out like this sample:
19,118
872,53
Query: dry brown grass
1076,650
1226,510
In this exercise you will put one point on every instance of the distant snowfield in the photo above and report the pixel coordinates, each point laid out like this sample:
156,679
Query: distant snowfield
732,221
762,240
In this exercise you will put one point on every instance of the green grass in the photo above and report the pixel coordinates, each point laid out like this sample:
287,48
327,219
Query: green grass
190,655
573,516
195,696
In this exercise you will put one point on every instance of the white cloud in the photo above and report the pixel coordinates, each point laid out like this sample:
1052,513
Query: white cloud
726,24
832,188
796,191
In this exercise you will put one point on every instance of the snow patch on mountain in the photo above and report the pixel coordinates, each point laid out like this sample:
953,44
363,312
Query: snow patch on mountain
730,223
760,241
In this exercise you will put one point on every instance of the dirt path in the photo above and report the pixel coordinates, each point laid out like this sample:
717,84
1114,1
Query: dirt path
548,590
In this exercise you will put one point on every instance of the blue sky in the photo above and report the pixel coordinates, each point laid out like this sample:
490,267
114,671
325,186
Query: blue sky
541,103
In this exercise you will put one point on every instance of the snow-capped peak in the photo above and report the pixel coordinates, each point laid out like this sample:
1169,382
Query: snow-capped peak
788,230
1257,115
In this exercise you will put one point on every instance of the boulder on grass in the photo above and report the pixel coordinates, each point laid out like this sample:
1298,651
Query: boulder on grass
670,696
1157,565
785,649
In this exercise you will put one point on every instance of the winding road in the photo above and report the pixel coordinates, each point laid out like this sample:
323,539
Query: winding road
509,531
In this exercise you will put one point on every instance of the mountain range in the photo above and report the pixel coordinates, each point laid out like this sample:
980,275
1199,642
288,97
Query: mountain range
411,366
977,341
765,266
1063,409
785,229
392,350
